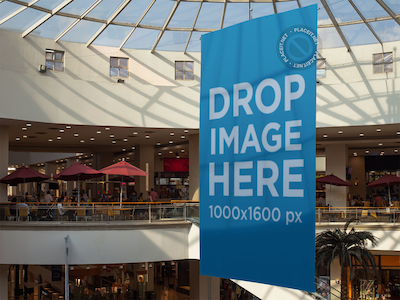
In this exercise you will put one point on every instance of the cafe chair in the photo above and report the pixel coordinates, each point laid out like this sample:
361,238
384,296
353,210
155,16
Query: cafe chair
7,214
364,213
111,213
23,213
80,213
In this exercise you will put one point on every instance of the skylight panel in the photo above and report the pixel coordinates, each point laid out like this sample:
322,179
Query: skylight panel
343,11
210,16
388,31
184,15
286,6
261,10
358,34
173,41
78,7
82,32
133,11
104,9
158,13
394,5
49,4
323,17
329,38
195,42
7,8
142,39
23,20
236,13
370,9
112,36
53,27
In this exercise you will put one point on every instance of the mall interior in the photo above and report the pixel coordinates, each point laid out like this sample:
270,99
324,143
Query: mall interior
103,81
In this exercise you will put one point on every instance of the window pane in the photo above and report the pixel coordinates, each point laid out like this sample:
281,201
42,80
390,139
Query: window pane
178,75
377,68
189,65
179,65
123,62
188,75
321,73
58,66
114,72
49,56
389,68
59,55
378,59
123,72
388,57
49,65
114,62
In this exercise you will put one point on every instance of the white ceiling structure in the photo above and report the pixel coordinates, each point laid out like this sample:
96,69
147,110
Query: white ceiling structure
177,25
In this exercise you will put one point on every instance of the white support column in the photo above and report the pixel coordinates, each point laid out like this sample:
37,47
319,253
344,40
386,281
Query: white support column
335,278
50,170
336,163
194,167
3,281
144,159
4,145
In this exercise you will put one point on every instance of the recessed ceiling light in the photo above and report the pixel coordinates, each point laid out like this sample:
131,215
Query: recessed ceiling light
340,132
159,153
24,128
68,127
378,130
24,136
182,150
125,139
111,135
355,153
17,139
186,131
325,135
98,131
382,153
147,136
50,140
380,144
178,156
134,132
107,128
76,134
158,144
59,138
171,142
182,136
92,138
367,151
170,152
61,130
172,134
82,141
123,149
127,158
361,134
28,124
396,150
398,132
114,142
133,147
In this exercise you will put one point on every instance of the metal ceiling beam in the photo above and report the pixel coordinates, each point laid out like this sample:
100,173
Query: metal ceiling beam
298,3
274,4
19,10
109,20
388,10
165,25
194,24
138,22
332,17
223,16
366,23
45,18
77,20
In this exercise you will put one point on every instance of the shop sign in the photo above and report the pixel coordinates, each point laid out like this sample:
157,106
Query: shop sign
257,150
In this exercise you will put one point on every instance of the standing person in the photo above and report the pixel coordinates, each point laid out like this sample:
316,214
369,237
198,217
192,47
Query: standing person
133,197
154,195
149,198
48,198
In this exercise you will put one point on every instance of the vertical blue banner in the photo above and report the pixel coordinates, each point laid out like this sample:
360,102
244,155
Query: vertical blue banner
257,150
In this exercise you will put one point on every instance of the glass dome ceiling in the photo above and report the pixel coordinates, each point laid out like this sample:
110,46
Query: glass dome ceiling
177,25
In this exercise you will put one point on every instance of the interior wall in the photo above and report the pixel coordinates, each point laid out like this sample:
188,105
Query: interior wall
357,181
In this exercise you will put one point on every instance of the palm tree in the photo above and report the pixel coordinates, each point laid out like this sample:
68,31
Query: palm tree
350,247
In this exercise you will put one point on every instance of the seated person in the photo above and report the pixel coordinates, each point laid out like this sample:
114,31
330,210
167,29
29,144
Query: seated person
63,212
13,206
22,205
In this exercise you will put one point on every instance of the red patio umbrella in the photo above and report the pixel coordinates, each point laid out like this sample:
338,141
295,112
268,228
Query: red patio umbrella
332,180
123,179
23,175
125,169
386,180
76,172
